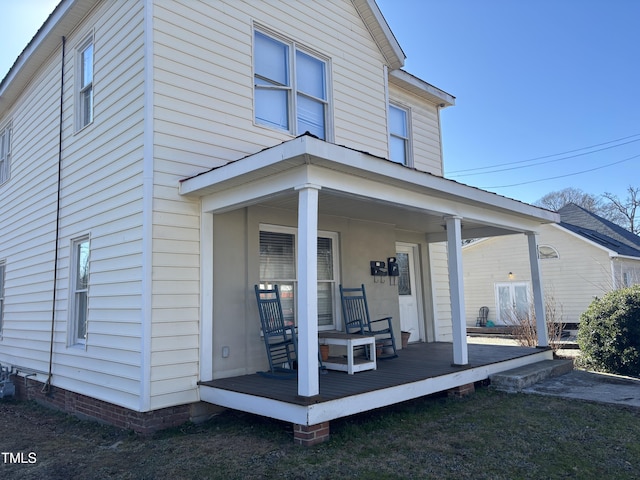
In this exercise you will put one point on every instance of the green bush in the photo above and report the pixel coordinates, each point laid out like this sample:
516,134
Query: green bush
609,333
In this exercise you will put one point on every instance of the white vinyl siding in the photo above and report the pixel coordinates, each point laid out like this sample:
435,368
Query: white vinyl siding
102,194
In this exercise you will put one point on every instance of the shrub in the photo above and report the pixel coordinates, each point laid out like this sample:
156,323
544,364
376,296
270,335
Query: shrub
609,333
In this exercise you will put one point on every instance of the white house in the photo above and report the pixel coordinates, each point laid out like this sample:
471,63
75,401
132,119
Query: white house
152,149
582,257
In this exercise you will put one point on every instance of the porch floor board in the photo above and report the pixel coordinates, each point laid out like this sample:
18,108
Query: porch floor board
416,362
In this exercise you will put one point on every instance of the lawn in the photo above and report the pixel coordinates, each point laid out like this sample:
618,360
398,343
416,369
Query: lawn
489,435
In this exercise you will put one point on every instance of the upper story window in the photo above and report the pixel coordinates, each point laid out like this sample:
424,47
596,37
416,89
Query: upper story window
547,251
290,87
5,153
85,83
399,145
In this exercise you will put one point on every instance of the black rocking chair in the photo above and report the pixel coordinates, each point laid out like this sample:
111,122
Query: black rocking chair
481,319
279,338
355,313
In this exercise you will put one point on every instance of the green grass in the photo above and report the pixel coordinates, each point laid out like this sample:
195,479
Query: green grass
489,435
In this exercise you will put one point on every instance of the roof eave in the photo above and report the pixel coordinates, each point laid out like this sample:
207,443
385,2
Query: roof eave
381,33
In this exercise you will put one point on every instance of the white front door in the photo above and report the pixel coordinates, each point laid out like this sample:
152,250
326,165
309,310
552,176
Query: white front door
408,292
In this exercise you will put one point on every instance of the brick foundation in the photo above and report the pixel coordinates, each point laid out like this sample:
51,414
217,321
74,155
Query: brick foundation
462,390
309,435
94,409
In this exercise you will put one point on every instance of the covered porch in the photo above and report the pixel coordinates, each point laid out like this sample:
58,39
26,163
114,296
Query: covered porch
421,369
370,205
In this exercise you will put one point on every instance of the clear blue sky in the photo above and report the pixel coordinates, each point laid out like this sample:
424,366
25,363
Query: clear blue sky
532,79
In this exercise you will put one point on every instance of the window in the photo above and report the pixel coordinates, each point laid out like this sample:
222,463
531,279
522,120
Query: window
399,135
290,87
5,153
512,303
79,290
546,252
278,266
85,83
2,269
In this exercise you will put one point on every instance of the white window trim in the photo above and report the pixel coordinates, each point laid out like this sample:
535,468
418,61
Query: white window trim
557,254
292,90
73,340
336,271
5,174
80,48
408,139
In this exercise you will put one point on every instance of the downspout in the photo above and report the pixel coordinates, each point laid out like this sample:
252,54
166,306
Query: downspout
47,386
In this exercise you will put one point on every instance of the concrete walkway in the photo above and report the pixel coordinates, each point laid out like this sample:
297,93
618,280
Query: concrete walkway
595,387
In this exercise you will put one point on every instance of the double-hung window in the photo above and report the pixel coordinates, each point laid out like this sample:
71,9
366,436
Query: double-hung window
399,146
290,87
5,153
278,267
85,83
2,269
79,290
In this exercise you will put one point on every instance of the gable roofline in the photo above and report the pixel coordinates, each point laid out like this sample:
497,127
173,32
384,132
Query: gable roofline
47,40
599,230
381,33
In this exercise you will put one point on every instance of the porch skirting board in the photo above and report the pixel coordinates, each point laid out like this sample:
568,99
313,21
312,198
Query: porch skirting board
338,391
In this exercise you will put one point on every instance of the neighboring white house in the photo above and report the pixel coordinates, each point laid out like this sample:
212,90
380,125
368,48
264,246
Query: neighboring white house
582,257
155,162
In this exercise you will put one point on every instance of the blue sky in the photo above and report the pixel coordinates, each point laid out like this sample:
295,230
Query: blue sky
532,80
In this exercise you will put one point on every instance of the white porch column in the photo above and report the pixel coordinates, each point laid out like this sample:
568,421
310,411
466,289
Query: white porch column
538,291
456,288
308,375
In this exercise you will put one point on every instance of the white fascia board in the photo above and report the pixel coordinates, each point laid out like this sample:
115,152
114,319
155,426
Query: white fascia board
63,20
421,88
378,174
270,157
380,31
612,253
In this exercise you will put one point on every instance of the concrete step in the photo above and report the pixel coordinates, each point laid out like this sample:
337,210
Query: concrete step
522,377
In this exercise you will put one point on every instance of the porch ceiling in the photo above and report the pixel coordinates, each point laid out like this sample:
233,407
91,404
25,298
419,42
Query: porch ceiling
358,185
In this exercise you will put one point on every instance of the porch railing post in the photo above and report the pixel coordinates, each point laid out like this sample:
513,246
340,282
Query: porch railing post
308,375
456,289
538,291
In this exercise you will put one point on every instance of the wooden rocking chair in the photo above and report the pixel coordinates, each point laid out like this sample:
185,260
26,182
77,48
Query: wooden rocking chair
279,338
355,313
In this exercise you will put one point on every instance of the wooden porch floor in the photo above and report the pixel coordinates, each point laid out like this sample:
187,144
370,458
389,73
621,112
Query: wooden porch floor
415,363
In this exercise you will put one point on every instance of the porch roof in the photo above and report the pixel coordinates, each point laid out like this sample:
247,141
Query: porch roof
360,185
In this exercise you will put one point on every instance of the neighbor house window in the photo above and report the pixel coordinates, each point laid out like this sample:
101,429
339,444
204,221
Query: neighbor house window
278,266
2,269
79,290
546,252
399,145
513,303
5,153
85,83
290,87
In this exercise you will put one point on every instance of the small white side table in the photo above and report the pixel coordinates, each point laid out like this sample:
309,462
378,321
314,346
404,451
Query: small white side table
350,340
